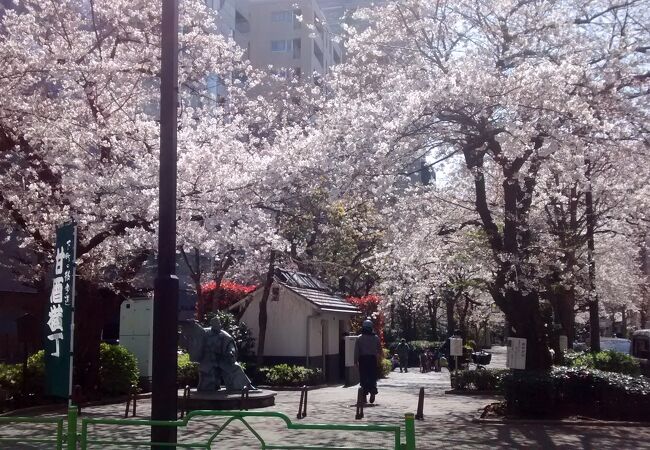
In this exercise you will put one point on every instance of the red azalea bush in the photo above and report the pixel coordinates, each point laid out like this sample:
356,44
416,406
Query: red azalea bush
369,306
214,299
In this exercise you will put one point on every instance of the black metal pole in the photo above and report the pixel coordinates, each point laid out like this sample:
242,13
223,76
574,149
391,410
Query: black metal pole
165,311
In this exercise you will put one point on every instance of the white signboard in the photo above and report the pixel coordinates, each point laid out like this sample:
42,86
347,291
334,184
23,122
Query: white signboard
350,342
516,357
456,346
564,343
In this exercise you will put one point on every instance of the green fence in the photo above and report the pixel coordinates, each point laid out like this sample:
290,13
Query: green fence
76,437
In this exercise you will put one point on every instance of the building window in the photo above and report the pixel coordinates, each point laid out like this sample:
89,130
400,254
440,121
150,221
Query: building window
281,46
241,23
297,46
282,16
337,57
318,53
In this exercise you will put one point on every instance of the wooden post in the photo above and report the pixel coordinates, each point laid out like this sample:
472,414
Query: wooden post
360,402
302,406
420,414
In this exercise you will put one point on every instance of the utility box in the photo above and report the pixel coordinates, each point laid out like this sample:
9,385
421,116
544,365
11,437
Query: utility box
136,325
351,371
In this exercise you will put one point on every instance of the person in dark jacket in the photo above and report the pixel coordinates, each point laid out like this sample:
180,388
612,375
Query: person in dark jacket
403,352
367,355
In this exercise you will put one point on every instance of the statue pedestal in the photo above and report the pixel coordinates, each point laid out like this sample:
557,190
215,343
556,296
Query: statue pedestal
224,400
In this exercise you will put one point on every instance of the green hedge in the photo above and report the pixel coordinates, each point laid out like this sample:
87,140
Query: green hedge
288,375
386,368
187,372
118,370
570,391
11,382
608,361
478,380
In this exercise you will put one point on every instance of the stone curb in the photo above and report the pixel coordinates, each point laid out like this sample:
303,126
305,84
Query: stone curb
473,393
583,423
297,388
39,409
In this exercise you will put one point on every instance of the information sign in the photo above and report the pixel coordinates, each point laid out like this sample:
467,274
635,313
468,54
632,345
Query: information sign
60,315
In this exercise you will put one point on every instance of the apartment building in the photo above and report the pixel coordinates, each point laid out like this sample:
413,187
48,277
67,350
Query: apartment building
288,37
337,12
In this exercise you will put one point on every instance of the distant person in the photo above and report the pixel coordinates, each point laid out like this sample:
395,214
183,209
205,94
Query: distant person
367,355
436,359
403,353
395,361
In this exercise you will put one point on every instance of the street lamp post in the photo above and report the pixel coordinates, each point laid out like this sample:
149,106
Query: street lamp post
165,311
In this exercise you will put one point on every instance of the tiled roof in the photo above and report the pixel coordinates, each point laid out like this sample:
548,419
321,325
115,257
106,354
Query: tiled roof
324,300
314,290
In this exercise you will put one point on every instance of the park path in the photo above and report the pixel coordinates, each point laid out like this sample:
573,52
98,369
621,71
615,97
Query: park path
447,421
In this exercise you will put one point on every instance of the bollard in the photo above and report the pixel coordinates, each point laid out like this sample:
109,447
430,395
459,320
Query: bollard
243,404
302,406
361,399
135,398
186,395
76,397
420,414
133,395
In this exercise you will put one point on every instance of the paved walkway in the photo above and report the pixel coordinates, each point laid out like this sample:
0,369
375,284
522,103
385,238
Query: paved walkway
447,421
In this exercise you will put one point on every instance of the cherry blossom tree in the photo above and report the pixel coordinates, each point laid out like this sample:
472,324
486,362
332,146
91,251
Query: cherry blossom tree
517,92
79,138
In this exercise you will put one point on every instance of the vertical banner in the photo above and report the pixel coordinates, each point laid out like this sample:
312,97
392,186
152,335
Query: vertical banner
60,315
516,356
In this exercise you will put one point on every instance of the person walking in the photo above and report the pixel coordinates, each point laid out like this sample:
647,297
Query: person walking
403,353
367,355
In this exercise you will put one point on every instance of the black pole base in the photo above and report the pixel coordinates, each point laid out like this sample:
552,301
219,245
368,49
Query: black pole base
164,395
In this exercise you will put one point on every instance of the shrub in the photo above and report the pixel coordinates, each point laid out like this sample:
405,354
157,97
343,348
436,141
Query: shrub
478,380
567,390
118,369
608,361
386,368
288,375
11,381
187,373
530,393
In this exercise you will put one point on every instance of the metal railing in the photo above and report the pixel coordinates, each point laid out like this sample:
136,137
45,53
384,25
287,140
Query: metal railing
73,439
58,439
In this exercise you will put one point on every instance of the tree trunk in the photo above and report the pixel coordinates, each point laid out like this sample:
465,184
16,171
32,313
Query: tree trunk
432,309
645,289
218,274
568,315
594,322
462,317
524,316
450,302
263,314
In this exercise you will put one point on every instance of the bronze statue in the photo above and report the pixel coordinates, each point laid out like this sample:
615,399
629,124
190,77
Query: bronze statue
216,353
